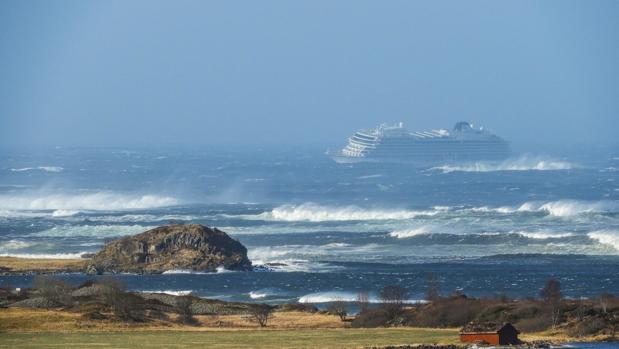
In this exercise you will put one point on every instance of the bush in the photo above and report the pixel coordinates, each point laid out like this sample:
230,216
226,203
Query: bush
53,290
261,313
371,318
587,327
304,307
338,308
183,307
540,322
126,306
393,297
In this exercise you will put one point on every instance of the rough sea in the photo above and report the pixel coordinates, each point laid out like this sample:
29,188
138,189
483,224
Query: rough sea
328,231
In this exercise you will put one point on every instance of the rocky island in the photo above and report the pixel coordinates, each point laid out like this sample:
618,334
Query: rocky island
171,247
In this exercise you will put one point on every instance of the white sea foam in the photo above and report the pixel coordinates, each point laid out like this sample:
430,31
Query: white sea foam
542,235
65,213
263,293
606,237
142,218
408,233
39,168
567,208
96,231
107,201
171,292
316,213
335,296
15,245
519,164
182,271
45,255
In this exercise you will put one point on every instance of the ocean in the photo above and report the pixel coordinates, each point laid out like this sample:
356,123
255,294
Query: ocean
328,231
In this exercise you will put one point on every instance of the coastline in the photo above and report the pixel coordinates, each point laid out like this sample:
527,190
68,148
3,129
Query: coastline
225,318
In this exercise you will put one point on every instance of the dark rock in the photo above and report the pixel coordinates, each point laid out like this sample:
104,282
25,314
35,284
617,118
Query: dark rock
171,247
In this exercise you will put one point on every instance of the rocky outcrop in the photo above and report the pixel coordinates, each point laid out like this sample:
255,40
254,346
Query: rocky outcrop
171,247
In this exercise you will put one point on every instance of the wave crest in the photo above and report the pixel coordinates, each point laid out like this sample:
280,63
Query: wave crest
568,208
316,213
519,164
606,237
39,168
100,201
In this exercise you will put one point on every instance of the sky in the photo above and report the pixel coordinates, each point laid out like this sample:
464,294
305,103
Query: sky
146,73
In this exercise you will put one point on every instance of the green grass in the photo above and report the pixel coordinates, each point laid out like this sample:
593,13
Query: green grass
265,339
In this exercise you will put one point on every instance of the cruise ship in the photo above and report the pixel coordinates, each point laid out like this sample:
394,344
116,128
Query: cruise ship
394,143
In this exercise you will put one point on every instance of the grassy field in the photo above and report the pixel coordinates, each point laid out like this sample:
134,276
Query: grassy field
312,338
17,265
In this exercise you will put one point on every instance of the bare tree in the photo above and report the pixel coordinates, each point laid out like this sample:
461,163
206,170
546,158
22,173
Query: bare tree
580,310
393,297
363,299
605,299
124,305
261,313
54,290
338,308
183,307
551,294
551,291
433,290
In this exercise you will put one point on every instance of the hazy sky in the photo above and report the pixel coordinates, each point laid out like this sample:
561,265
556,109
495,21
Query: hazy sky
308,72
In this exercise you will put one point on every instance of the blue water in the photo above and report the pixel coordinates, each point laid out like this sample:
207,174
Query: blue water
327,230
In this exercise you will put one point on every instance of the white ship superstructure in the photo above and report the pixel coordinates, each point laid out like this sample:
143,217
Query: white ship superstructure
463,143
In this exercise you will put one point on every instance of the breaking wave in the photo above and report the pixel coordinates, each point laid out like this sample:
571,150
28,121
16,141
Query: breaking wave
402,234
16,245
606,237
335,296
567,208
39,168
100,201
171,292
96,231
316,213
520,164
543,235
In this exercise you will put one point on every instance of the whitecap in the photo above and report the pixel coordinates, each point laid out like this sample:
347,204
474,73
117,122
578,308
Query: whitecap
343,296
567,208
15,245
317,213
519,164
64,213
542,235
408,233
606,237
107,201
96,231
171,292
40,168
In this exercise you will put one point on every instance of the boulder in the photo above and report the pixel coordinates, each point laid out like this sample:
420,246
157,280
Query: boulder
171,247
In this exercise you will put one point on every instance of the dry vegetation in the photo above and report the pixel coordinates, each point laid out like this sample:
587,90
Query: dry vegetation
13,265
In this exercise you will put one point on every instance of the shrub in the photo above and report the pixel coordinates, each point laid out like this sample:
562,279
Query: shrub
587,327
304,307
126,306
393,297
371,318
338,308
261,313
183,307
53,290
